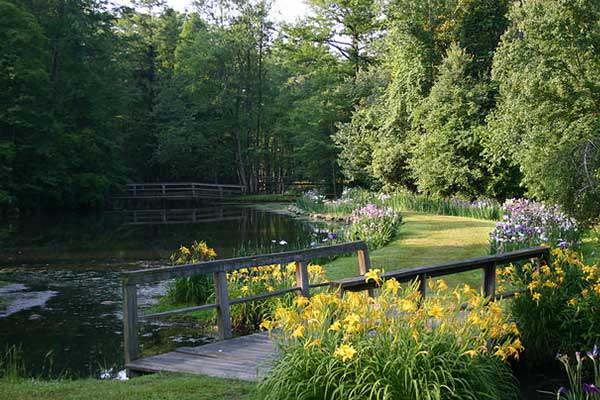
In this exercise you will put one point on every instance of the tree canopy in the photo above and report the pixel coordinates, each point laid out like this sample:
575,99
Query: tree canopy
469,98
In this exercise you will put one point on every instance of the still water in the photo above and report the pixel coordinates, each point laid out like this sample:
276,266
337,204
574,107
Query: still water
60,294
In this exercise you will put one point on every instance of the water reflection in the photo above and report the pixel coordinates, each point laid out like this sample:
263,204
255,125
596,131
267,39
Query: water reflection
77,259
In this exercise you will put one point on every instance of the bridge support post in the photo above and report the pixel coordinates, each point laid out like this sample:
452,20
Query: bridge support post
364,264
223,312
130,318
489,280
302,278
423,285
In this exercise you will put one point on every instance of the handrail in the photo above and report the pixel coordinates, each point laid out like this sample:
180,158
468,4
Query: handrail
197,184
219,269
487,263
233,264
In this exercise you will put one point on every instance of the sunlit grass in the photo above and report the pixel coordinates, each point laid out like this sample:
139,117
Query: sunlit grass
158,386
426,239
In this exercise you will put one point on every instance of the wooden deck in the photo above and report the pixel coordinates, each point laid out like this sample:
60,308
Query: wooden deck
247,358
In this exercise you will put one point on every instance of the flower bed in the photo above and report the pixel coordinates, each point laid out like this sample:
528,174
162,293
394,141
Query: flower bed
375,225
527,223
394,346
559,308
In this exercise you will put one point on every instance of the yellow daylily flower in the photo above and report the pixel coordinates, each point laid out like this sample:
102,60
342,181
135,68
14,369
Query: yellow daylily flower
345,352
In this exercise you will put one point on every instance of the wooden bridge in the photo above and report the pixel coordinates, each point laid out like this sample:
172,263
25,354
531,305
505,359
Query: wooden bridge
250,357
179,191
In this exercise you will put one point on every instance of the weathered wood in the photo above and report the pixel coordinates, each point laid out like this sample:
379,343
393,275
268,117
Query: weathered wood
302,278
183,190
489,280
223,311
364,264
130,320
409,274
233,264
247,358
423,285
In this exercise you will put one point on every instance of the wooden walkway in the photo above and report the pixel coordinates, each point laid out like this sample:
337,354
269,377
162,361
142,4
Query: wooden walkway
251,357
178,191
248,358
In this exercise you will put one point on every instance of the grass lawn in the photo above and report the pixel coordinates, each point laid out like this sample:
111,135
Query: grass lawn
426,239
154,387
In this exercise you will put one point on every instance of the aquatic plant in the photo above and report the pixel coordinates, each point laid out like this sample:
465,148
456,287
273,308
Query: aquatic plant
480,209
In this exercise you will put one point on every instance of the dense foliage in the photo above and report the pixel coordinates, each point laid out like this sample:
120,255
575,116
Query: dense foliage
394,346
558,312
474,99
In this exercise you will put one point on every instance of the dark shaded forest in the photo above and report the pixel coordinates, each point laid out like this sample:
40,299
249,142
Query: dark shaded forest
468,98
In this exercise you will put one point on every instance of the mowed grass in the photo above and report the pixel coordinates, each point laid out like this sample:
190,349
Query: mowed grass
150,387
426,239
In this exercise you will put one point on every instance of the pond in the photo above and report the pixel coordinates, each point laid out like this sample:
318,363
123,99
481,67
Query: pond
60,293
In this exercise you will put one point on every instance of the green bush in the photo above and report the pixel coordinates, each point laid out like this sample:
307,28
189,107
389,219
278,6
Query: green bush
195,289
394,346
558,312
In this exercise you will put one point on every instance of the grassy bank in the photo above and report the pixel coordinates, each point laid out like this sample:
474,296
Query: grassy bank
163,387
262,198
426,239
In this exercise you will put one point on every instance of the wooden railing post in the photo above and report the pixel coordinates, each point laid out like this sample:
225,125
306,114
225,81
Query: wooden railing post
130,318
364,264
423,285
222,300
302,278
489,280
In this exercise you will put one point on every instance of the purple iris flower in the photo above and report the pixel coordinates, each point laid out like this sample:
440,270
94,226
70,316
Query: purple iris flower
331,236
591,388
594,353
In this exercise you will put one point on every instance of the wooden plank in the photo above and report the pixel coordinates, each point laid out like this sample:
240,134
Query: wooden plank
232,264
247,357
130,333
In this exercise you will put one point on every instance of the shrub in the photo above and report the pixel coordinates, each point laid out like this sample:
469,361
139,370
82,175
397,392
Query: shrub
527,223
375,225
196,289
246,317
559,308
394,346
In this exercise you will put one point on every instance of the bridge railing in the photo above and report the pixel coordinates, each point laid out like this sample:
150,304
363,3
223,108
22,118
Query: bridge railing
181,190
219,269
487,264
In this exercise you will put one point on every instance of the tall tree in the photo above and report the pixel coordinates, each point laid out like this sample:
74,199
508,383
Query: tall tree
547,123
